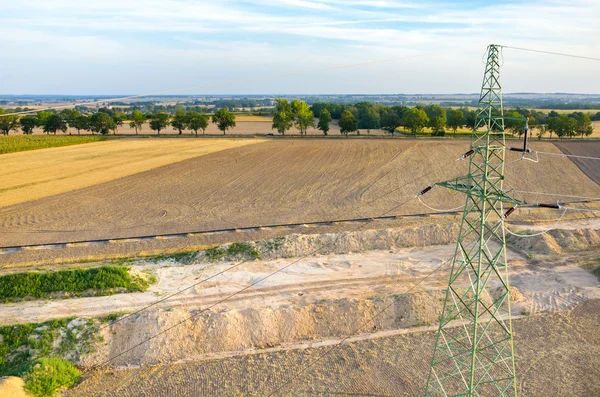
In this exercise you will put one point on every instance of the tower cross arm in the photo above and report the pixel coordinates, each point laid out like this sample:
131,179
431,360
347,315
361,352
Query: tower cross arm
466,185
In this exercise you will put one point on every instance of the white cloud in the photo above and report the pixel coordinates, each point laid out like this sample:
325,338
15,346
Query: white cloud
176,37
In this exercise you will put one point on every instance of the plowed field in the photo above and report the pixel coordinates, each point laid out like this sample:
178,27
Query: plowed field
275,182
589,149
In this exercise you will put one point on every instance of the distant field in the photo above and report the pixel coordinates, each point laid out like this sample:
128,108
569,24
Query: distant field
275,182
28,176
566,111
20,143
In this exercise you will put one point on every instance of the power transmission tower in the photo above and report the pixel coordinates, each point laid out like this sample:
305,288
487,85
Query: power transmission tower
473,354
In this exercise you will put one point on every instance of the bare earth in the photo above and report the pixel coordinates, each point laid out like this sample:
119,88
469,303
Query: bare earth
556,355
275,182
589,149
322,277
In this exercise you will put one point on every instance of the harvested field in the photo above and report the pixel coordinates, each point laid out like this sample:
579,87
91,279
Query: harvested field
591,149
276,182
29,176
556,355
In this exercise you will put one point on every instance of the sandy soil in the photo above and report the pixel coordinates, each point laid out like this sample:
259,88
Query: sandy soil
32,175
313,279
11,386
275,182
556,355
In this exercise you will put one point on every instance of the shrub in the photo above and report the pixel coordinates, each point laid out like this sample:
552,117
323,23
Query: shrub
40,285
49,375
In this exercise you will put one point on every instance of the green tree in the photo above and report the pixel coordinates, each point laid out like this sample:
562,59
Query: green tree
137,120
28,123
390,121
584,125
368,117
159,121
303,116
437,119
283,117
224,119
102,122
8,123
119,119
180,121
542,129
54,123
470,116
456,119
324,121
348,123
562,125
81,122
415,120
41,118
70,115
515,122
197,121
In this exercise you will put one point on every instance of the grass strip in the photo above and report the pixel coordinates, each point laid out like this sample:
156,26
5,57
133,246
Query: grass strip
20,143
102,280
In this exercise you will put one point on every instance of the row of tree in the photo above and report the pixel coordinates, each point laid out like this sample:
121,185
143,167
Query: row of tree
438,119
103,122
299,114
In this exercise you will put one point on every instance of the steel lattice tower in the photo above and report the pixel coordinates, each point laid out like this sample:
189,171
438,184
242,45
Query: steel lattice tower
473,354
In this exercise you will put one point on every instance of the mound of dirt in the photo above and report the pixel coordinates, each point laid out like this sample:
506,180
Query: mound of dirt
12,386
556,241
232,330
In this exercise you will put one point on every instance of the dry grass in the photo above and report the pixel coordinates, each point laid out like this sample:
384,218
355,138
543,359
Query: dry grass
29,176
276,182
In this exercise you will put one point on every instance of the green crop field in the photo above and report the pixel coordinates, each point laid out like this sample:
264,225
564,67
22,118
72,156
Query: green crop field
19,143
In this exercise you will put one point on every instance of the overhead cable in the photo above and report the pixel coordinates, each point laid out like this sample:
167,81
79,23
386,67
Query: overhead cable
569,155
551,53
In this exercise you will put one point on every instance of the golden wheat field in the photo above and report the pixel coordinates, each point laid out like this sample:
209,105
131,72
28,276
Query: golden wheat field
28,176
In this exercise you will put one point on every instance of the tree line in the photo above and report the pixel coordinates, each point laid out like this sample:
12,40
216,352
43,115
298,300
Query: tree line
365,115
297,113
105,120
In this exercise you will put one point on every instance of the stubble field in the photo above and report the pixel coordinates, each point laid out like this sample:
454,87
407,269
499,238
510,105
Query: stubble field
273,182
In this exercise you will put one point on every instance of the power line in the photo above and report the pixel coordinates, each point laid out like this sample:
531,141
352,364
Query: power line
540,233
551,53
559,195
231,82
232,295
569,155
259,280
236,265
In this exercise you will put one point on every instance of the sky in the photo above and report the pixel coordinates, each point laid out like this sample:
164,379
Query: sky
142,46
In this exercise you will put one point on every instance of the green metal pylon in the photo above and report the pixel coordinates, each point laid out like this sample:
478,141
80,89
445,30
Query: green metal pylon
473,354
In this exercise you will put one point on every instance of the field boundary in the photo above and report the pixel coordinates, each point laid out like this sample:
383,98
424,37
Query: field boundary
284,226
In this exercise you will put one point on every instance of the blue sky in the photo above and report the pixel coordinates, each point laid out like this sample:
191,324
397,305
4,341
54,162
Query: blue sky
140,46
